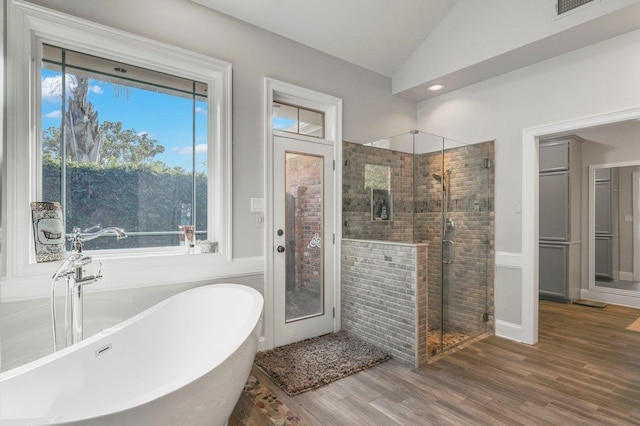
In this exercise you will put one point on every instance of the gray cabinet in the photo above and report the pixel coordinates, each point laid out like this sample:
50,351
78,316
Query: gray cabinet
554,262
602,203
559,218
604,257
603,174
605,221
554,155
554,206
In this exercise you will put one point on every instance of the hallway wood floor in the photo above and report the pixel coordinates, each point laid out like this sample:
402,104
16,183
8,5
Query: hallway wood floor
585,369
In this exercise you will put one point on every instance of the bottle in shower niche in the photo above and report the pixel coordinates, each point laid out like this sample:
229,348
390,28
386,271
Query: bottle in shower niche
383,211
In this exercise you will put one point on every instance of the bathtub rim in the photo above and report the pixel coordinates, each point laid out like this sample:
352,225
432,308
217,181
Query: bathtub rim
244,333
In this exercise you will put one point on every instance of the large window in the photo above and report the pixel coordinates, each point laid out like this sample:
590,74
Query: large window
123,146
123,131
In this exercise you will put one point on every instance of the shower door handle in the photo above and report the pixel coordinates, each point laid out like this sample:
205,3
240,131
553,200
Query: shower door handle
452,252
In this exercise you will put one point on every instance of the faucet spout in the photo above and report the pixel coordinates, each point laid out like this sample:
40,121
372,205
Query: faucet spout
72,268
77,237
112,230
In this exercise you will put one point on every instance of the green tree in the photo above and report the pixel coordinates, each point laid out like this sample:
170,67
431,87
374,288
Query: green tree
118,146
51,138
89,141
126,146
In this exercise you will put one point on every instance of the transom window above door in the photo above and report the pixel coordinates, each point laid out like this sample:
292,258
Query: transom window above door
298,120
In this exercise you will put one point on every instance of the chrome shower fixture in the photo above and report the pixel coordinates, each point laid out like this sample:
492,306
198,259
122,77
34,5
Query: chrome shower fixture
445,181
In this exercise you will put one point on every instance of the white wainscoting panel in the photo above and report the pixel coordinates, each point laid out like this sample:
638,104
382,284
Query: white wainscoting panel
508,295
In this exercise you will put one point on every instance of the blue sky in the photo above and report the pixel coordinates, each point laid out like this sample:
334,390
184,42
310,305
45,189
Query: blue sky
166,118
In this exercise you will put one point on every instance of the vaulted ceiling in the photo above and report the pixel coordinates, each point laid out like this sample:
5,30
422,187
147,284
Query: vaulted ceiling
455,43
379,35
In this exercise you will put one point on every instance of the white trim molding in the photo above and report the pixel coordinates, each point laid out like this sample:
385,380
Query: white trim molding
332,108
626,276
506,259
509,330
610,297
506,329
629,276
635,200
530,176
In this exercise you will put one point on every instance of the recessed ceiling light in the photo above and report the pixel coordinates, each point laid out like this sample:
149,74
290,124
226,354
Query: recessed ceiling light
435,87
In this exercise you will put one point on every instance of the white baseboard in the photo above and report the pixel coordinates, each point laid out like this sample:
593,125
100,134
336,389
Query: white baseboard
626,276
615,299
262,344
509,330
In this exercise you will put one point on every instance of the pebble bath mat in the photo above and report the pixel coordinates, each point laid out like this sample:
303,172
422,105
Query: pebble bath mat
309,364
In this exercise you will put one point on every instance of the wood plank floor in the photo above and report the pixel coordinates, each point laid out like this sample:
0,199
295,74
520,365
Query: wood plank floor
585,369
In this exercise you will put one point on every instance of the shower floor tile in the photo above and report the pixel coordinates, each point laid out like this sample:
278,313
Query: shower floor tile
450,338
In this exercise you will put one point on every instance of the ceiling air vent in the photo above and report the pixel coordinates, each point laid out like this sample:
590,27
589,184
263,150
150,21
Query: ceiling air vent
564,6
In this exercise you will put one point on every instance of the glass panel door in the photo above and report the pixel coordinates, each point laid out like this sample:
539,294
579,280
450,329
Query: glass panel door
453,214
304,223
303,240
466,214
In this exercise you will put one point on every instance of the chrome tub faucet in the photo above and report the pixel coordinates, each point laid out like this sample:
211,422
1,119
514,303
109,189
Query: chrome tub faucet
72,269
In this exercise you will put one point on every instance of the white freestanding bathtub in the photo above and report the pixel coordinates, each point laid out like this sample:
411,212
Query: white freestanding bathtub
183,361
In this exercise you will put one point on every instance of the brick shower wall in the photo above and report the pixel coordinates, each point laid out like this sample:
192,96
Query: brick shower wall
356,199
471,206
384,296
304,190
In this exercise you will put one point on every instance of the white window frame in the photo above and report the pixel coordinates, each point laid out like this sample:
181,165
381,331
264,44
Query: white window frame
28,27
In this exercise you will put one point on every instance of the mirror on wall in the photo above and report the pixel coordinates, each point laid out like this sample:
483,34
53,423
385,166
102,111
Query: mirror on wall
615,227
377,179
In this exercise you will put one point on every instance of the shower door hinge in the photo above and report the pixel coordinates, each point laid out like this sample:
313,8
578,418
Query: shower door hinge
334,312
334,238
485,317
334,164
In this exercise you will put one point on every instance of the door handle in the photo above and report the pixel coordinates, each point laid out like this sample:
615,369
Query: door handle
452,252
280,249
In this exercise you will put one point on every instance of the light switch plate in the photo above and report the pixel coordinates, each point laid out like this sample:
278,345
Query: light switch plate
257,205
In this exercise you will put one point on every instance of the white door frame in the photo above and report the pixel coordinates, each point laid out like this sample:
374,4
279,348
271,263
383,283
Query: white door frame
635,199
332,108
592,227
530,175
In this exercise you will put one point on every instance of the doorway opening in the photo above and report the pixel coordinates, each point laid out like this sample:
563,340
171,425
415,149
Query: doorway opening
530,206
303,131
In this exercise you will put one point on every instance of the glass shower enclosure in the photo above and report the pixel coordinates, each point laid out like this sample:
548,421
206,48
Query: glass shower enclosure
425,189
